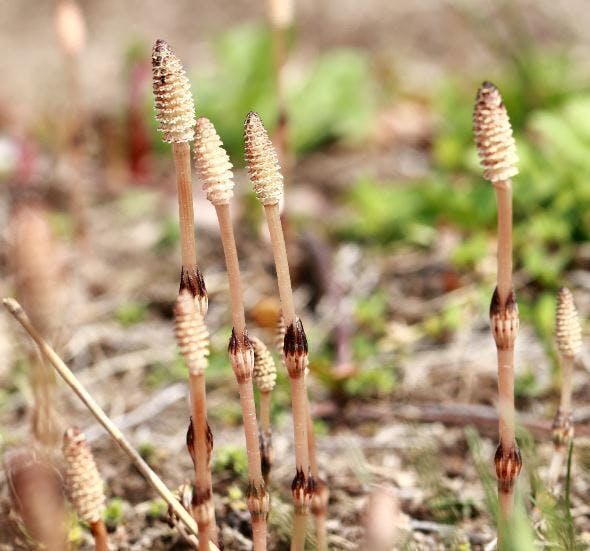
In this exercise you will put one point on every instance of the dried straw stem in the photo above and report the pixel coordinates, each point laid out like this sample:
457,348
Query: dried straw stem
62,369
182,163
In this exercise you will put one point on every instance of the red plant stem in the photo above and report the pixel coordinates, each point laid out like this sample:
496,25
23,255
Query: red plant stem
182,163
203,482
99,532
504,200
233,268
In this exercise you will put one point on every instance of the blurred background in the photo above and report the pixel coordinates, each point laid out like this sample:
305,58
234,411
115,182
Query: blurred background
391,237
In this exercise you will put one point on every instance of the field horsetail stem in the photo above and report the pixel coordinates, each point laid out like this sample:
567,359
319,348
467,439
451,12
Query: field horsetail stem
266,178
265,378
321,496
215,171
84,485
193,341
175,113
497,151
568,337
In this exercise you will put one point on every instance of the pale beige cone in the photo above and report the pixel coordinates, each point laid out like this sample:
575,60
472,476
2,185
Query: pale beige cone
493,135
83,482
213,164
568,333
265,371
263,164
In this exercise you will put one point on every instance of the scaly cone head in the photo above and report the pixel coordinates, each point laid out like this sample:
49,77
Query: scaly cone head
263,164
568,332
191,334
493,135
265,371
175,109
83,482
213,164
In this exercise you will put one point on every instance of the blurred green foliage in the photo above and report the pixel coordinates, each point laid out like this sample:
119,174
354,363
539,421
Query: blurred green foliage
131,312
230,458
331,98
114,512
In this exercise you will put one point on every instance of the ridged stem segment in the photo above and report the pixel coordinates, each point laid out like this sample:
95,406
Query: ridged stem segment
66,374
497,152
193,342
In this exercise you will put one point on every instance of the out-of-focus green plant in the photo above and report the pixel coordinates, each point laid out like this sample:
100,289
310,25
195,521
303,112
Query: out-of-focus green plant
370,383
230,458
130,313
331,99
114,512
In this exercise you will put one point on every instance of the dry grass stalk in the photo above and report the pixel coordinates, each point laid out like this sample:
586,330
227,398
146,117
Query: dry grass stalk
265,378
497,152
175,113
568,337
265,175
37,281
36,494
184,494
84,485
215,171
65,373
193,341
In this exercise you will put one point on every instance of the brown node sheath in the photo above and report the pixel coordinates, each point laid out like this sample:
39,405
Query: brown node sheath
508,464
